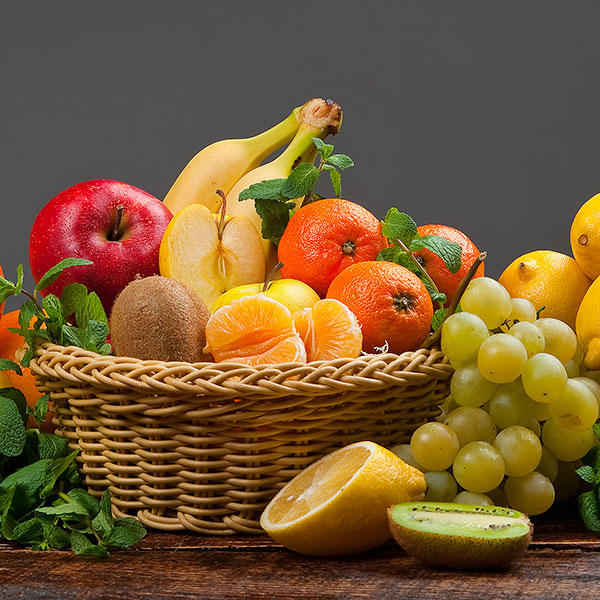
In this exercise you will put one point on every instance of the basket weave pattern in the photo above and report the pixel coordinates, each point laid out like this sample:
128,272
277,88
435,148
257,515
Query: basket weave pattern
204,447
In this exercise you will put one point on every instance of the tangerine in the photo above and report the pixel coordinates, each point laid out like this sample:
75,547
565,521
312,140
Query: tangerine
329,330
324,237
391,303
447,282
1,304
254,330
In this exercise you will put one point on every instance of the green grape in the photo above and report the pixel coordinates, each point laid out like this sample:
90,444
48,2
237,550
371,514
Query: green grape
520,448
541,412
579,355
592,385
567,482
532,494
544,378
534,425
523,310
434,445
478,467
403,451
469,387
498,497
548,464
567,444
487,299
501,358
471,425
577,408
510,405
441,486
530,336
572,369
462,334
561,340
473,498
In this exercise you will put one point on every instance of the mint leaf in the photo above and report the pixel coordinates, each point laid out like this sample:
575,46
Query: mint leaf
91,505
54,273
55,468
301,181
19,280
28,532
68,510
90,310
28,482
399,226
449,252
98,331
53,446
7,289
18,398
12,428
275,216
102,524
83,547
324,149
105,505
73,298
588,504
586,473
55,536
10,365
397,255
74,336
596,429
341,161
438,318
336,180
265,190
39,410
126,533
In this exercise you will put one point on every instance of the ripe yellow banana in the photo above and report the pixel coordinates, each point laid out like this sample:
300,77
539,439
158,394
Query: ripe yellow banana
222,164
318,118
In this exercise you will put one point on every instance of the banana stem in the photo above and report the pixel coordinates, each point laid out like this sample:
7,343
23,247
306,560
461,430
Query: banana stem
268,141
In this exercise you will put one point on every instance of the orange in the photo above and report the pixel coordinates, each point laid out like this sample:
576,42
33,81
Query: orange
550,279
10,345
2,304
447,282
585,237
329,330
325,237
392,304
254,330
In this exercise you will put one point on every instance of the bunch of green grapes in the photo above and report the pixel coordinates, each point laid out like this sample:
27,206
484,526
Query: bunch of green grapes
519,417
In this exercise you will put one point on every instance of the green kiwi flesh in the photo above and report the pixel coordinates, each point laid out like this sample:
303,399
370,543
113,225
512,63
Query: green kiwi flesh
460,536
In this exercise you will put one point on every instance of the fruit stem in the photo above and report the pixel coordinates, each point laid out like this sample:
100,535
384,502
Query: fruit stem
421,269
113,236
434,337
269,277
270,140
222,214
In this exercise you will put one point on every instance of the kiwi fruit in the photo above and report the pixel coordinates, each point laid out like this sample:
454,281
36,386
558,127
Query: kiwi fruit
158,318
460,536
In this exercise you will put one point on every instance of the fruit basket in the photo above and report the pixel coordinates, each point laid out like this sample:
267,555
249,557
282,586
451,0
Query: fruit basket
205,446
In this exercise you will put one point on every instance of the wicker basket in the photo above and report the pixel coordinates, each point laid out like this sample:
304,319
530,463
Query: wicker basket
205,446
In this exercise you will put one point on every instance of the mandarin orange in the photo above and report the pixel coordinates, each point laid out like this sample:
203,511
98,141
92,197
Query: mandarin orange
447,282
1,304
324,237
254,330
329,330
391,303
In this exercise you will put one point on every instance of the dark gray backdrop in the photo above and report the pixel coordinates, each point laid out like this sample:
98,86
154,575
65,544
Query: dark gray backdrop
479,114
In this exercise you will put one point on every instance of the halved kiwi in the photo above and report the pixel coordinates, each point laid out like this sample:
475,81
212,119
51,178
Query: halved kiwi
460,536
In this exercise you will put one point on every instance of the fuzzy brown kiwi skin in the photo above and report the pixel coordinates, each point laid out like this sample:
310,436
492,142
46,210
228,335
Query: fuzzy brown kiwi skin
459,552
158,318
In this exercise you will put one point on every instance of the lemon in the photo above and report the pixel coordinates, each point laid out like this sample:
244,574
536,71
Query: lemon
585,237
338,505
550,279
588,326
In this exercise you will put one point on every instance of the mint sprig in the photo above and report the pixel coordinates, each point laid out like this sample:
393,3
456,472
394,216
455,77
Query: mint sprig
274,198
588,502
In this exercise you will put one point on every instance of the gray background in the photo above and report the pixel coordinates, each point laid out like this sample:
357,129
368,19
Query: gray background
482,115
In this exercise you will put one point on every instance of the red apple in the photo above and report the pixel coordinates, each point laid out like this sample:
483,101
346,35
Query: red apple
117,226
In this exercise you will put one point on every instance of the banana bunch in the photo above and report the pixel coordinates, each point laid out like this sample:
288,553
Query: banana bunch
234,165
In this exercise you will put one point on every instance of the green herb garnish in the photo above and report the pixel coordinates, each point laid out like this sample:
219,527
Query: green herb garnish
589,502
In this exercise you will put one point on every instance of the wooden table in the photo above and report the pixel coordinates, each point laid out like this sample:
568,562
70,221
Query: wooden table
562,562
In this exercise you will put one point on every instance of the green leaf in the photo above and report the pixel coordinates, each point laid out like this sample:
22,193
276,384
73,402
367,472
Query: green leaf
105,505
105,349
73,297
399,226
438,318
449,252
12,428
55,536
83,498
83,547
39,411
53,446
596,429
336,180
265,190
28,532
68,510
10,365
76,337
586,473
90,310
324,149
341,161
589,510
54,273
397,255
19,280
28,482
18,398
126,533
98,331
301,181
7,289
275,216
54,470
103,525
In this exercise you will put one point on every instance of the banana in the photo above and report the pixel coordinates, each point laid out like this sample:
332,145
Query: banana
222,164
318,118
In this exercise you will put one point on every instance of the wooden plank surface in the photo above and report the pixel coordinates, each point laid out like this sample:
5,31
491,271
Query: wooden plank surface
563,562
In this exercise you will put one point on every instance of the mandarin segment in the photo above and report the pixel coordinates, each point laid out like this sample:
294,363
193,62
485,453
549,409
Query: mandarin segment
254,330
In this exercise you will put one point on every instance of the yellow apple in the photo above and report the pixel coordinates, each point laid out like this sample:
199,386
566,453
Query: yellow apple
211,253
293,294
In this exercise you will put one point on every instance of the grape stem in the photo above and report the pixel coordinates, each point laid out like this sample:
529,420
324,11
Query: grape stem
433,338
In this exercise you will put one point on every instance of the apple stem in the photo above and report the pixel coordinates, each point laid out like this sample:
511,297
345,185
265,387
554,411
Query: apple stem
222,212
269,277
114,234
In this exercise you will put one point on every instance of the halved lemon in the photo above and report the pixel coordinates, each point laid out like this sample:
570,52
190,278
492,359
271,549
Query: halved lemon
338,505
